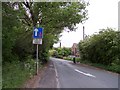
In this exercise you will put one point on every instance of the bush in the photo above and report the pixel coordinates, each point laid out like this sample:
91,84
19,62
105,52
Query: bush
61,52
68,58
77,59
16,73
44,56
101,48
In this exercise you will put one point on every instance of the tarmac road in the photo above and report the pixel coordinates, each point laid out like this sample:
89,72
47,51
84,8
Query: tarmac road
69,75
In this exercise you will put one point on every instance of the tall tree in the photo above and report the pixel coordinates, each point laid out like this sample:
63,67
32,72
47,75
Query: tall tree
11,29
52,16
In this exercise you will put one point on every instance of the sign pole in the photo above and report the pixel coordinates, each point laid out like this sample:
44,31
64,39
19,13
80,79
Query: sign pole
83,32
37,60
37,39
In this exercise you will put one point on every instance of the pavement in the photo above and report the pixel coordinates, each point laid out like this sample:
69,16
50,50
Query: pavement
64,74
48,78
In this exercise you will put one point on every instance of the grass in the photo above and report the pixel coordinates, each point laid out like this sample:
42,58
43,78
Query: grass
67,58
71,59
13,75
16,73
114,68
0,76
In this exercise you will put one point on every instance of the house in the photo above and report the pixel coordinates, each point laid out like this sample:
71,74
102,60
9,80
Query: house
75,50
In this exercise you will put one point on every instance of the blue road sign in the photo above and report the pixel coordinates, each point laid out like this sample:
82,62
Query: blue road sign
38,33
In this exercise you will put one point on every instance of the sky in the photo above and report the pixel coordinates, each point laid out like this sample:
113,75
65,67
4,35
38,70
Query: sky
101,13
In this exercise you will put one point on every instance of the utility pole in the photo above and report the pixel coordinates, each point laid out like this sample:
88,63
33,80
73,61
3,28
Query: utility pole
119,16
83,32
60,44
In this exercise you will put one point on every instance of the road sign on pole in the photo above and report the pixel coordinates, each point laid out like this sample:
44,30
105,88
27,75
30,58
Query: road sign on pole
38,33
37,39
37,61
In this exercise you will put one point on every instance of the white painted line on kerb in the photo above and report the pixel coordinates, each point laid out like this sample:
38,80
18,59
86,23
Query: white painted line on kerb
58,84
87,74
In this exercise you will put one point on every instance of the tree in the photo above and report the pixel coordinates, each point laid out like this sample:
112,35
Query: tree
61,52
52,16
101,48
11,28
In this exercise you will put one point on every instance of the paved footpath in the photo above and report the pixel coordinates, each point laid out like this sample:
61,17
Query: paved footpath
48,78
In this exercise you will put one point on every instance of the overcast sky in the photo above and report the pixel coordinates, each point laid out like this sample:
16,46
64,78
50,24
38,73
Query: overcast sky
102,14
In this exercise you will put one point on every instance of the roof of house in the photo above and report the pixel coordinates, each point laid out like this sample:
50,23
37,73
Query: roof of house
74,45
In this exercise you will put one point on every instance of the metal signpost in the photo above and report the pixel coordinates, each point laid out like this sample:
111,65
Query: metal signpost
37,39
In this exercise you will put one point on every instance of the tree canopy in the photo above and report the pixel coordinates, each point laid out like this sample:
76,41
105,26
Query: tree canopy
20,18
101,48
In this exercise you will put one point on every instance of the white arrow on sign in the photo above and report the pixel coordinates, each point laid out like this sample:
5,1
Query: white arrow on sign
36,30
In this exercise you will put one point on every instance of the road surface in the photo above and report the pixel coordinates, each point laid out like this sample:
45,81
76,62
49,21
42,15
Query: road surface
65,74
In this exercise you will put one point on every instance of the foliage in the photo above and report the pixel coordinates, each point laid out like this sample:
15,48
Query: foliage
113,68
52,52
77,59
14,73
66,51
10,30
61,52
19,19
68,58
52,16
101,48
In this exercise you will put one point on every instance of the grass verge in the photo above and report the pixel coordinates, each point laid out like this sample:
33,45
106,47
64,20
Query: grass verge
16,73
114,68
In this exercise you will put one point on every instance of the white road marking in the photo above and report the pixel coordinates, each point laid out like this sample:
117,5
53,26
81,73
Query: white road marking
51,65
58,84
87,74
